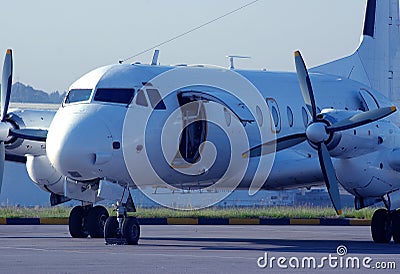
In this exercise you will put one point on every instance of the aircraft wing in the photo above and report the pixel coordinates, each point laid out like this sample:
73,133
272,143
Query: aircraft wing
15,158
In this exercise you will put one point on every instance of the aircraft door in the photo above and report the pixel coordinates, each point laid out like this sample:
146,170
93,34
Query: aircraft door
194,133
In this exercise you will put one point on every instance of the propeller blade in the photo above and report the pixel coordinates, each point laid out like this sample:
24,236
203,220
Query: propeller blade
30,134
275,145
361,119
2,159
6,84
330,177
305,84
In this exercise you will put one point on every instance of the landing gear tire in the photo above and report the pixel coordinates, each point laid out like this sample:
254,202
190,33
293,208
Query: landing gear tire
111,228
96,219
131,230
381,226
77,223
128,235
396,226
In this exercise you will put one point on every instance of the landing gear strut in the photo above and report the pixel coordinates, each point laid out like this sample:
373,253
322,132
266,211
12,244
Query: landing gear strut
87,220
122,229
384,225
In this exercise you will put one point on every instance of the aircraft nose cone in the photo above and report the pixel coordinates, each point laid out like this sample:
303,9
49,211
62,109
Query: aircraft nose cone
78,146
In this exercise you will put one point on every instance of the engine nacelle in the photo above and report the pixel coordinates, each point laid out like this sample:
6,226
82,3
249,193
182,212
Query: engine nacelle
360,140
44,174
28,119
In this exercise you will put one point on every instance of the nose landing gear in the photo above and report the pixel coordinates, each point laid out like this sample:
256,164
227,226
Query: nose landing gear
122,230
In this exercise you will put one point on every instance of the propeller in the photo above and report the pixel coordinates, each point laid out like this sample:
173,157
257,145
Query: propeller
5,100
275,145
7,130
318,132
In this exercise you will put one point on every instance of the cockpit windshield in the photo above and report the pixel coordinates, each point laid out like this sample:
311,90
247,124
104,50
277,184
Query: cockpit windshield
78,95
114,95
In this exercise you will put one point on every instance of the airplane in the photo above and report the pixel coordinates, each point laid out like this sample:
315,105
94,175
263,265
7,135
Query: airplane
185,127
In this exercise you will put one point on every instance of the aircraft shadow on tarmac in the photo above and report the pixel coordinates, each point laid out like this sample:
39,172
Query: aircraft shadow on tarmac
31,237
276,245
251,244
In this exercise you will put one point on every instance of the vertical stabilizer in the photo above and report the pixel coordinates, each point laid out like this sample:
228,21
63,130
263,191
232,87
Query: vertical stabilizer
376,63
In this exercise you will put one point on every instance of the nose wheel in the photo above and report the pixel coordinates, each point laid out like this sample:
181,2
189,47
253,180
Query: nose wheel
121,230
131,230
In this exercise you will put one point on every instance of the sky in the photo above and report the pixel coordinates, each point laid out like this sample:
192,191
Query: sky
56,42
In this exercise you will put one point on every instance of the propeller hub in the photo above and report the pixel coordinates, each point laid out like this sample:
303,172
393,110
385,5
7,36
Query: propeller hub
316,133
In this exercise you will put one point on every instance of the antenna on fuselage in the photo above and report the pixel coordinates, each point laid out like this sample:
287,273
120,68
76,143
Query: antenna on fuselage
154,61
232,58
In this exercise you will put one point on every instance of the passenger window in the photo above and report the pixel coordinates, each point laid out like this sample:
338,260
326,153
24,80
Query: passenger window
228,118
141,99
275,115
260,118
367,100
290,116
155,99
114,95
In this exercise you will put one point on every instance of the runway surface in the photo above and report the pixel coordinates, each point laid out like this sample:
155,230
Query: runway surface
190,249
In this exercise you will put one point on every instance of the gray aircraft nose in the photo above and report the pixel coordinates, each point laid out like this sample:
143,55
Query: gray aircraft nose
78,146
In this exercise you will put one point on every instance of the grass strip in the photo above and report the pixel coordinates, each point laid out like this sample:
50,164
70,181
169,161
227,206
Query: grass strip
303,212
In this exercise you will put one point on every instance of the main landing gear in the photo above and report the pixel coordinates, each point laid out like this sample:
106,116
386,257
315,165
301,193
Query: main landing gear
384,225
87,220
122,229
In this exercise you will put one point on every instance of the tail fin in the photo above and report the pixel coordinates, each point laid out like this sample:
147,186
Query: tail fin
376,63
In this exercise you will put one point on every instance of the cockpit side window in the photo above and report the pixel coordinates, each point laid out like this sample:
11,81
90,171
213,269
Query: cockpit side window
77,95
155,99
114,95
141,98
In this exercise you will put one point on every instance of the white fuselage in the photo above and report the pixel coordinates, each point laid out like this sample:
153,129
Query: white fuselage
91,139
